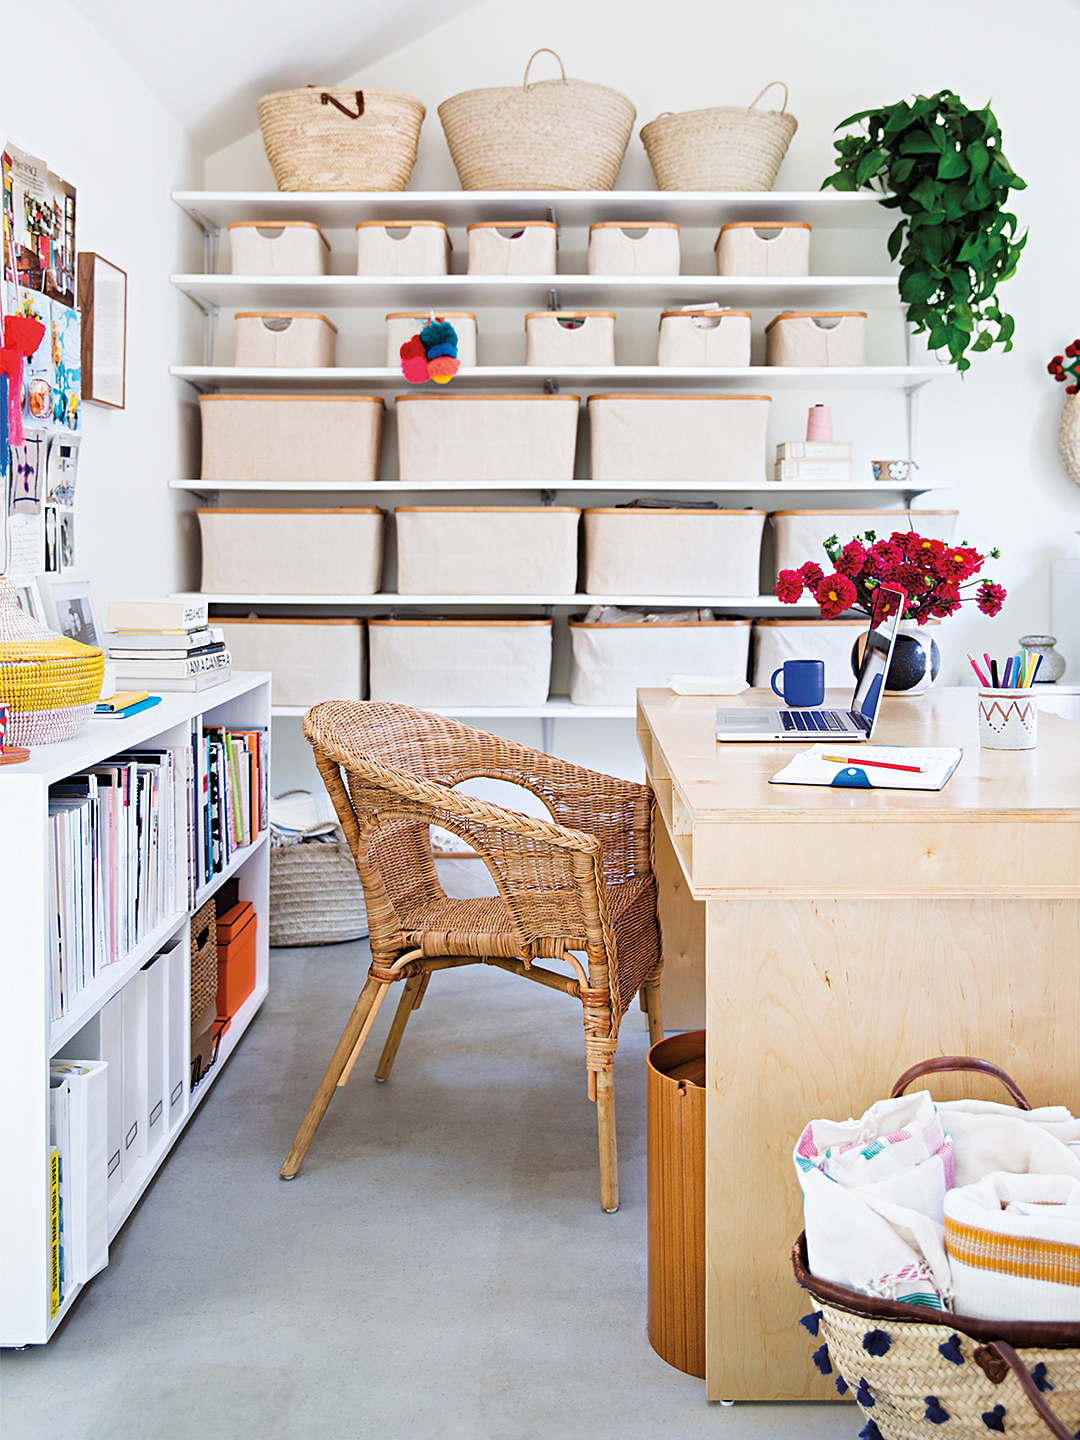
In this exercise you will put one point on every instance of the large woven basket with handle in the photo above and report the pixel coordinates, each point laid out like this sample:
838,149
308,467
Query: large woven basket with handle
315,893
49,683
917,1372
723,148
550,135
338,139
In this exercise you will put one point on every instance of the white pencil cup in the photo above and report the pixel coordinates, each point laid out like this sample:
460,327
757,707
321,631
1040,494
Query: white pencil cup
1008,719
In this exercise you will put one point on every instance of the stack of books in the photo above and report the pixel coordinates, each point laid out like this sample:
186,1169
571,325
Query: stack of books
165,645
813,460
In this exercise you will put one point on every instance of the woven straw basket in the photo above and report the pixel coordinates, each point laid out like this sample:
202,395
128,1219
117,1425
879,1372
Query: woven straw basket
917,1372
338,139
725,148
315,893
204,958
1069,437
49,683
551,135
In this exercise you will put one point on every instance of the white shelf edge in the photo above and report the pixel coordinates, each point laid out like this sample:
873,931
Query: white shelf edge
731,602
774,488
559,707
239,859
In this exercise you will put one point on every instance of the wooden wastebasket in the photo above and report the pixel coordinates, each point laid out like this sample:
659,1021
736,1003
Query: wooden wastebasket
676,1186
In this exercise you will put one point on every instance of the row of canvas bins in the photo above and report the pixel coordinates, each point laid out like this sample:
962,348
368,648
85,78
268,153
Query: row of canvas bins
470,661
511,550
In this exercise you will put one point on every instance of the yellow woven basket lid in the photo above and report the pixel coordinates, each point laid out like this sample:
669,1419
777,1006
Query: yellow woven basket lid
40,670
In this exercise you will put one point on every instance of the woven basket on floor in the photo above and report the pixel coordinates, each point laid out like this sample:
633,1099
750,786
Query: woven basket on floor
551,135
315,893
204,976
49,683
724,148
339,139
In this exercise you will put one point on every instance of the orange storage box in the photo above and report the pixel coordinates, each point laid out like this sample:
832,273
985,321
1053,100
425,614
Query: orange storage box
236,957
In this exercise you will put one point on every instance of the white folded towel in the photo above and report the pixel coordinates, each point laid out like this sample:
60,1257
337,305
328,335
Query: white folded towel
990,1137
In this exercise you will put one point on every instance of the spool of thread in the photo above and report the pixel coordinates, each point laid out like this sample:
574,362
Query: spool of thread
819,423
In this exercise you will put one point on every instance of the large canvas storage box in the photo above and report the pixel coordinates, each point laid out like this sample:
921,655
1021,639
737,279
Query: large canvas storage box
402,247
645,248
310,659
291,552
799,535
290,437
487,437
816,337
704,336
763,247
401,326
570,337
678,437
487,549
611,662
830,640
465,661
673,552
278,247
526,248
290,340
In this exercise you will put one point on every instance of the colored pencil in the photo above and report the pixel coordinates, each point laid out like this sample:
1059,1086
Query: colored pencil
994,675
1035,672
983,681
1005,679
878,764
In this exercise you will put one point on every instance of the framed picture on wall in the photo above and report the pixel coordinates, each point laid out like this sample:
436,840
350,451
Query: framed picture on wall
103,302
69,608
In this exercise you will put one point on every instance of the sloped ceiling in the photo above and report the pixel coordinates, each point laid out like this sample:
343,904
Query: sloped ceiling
208,61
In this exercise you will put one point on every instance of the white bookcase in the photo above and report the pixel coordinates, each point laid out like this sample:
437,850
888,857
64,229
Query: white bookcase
29,1038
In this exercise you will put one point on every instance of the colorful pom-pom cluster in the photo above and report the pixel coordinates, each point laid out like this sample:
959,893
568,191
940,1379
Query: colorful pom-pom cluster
431,355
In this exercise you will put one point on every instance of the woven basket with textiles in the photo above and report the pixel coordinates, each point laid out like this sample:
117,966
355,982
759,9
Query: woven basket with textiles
339,139
724,148
49,683
550,135
315,893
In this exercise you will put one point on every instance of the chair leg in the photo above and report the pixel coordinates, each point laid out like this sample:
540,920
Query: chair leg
650,1003
605,1124
359,1023
411,994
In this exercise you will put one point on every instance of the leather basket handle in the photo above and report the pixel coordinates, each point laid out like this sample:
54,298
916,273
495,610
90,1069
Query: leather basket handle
942,1064
1027,1384
329,100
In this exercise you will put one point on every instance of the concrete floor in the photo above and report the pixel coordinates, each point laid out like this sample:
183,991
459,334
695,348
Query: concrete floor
440,1267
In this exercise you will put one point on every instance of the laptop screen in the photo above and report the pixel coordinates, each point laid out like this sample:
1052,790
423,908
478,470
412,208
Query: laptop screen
884,623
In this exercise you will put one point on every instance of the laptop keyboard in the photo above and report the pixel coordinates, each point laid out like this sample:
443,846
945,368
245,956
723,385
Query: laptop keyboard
811,720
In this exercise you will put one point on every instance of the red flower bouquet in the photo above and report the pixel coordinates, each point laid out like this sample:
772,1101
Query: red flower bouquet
931,573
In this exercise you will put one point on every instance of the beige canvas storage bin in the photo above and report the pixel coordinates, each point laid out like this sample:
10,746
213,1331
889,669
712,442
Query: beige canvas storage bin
402,326
610,662
704,336
465,661
799,535
830,640
487,549
487,437
646,248
288,340
278,247
527,248
570,337
673,552
816,337
678,437
763,247
402,247
290,437
311,660
291,552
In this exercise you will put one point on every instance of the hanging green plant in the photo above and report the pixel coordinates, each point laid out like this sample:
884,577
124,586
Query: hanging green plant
944,167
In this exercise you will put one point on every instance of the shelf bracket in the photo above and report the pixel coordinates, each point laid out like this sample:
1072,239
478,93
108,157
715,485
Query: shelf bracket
552,217
547,497
551,387
553,300
547,733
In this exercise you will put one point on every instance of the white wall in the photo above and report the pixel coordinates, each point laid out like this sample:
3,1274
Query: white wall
89,116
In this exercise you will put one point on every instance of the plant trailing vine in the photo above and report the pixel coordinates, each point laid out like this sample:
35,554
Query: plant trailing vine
944,167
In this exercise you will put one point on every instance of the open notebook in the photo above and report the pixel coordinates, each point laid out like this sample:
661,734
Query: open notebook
809,767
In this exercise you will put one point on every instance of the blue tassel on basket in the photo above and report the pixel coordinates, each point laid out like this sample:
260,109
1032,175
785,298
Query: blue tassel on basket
1039,1376
842,1386
935,1412
995,1419
951,1350
876,1342
812,1322
863,1396
821,1360
870,1432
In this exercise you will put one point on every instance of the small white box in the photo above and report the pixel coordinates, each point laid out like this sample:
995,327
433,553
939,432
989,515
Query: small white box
830,640
816,337
401,326
311,659
814,450
704,335
487,437
611,662
634,248
763,247
289,340
291,552
673,552
812,470
278,247
290,437
487,549
559,338
799,535
402,247
676,437
527,248
460,662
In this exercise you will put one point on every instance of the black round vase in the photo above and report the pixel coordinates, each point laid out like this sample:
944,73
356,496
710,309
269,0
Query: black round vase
913,652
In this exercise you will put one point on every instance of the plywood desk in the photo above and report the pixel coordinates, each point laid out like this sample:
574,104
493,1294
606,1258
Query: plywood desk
847,934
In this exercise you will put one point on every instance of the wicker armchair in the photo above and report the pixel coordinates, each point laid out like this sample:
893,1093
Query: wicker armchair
581,881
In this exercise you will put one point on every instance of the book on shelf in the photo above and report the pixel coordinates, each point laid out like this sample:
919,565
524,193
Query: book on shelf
180,641
158,615
188,683
814,450
236,793
812,470
147,668
55,1258
78,1100
124,711
155,657
122,700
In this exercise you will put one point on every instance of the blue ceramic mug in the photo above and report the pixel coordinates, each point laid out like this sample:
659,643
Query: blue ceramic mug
804,682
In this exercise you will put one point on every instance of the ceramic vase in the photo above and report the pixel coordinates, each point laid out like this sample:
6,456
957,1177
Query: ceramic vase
915,660
1069,437
1053,664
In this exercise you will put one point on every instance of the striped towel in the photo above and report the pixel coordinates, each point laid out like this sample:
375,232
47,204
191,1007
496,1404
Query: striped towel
1013,1243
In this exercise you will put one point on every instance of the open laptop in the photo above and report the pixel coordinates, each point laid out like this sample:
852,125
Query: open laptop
818,723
